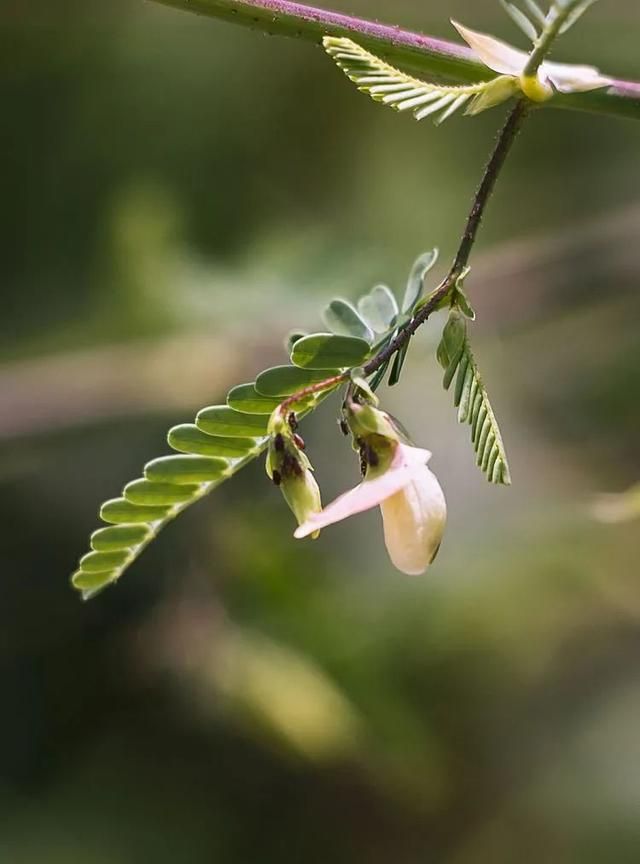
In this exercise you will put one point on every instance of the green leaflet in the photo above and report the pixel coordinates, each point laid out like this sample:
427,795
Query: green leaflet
246,398
398,363
153,493
117,537
378,377
415,282
225,421
534,22
470,397
91,583
328,351
187,438
521,20
119,511
186,470
343,319
283,381
100,562
378,309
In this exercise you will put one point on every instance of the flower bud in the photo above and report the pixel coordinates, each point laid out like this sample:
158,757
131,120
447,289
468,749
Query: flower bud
290,469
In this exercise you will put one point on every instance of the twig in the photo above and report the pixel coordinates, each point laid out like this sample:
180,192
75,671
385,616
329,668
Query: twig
491,173
503,146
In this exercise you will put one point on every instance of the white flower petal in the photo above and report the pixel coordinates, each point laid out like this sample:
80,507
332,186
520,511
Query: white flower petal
404,465
414,520
570,78
494,53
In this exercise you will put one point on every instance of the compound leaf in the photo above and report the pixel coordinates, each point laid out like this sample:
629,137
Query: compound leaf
470,397
390,86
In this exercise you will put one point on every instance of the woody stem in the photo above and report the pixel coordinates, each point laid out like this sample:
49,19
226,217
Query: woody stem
492,171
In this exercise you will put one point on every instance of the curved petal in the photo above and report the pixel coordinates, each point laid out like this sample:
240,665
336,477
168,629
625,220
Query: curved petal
494,53
405,463
570,78
414,520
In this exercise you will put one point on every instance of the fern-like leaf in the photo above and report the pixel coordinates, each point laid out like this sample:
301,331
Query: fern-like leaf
471,399
223,439
390,86
133,522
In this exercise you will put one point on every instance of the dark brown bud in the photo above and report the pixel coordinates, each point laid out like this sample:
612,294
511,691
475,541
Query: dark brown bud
277,478
292,421
299,441
278,443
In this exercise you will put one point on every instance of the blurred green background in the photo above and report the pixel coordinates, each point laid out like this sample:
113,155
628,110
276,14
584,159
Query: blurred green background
177,194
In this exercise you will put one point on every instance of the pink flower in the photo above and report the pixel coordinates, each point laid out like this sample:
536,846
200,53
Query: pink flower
412,503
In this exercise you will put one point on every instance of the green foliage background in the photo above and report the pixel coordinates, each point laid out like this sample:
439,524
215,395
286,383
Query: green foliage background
177,195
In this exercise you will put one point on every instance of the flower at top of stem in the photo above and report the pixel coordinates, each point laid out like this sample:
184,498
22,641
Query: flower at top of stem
290,469
510,64
396,479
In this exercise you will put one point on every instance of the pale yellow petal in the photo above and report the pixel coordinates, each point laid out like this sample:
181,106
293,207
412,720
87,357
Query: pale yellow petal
414,521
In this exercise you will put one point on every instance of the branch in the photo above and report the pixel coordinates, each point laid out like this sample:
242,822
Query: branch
413,51
503,146
502,149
